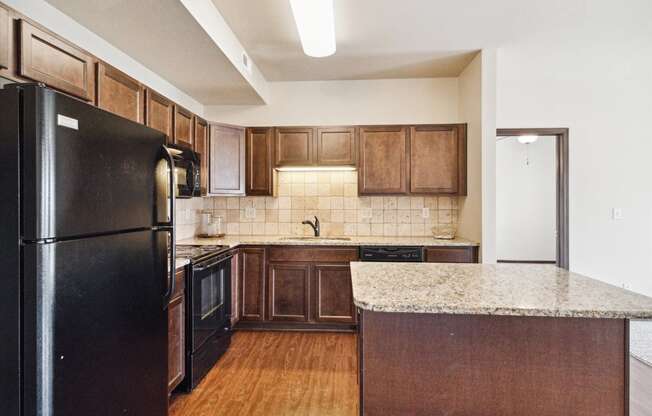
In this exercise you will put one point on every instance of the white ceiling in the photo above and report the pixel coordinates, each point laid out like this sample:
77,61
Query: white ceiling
164,37
387,38
375,38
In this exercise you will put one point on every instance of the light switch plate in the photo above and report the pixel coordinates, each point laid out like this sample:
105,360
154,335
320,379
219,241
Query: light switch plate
617,214
250,212
425,213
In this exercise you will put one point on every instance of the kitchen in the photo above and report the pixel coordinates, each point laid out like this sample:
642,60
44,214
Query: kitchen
317,210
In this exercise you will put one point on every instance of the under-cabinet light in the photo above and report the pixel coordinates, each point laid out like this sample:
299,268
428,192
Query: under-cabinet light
315,21
315,168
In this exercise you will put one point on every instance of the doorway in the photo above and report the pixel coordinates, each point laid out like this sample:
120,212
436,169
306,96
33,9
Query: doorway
532,196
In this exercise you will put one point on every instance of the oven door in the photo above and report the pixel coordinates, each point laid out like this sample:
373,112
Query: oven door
211,300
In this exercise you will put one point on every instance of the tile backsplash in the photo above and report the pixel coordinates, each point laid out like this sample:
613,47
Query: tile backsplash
332,197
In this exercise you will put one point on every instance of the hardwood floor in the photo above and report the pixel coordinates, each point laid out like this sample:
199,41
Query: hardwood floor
640,388
278,373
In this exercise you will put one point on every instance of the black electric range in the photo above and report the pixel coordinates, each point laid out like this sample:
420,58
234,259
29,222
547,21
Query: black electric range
208,308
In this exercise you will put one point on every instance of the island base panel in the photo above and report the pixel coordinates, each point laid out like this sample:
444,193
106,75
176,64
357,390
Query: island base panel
425,364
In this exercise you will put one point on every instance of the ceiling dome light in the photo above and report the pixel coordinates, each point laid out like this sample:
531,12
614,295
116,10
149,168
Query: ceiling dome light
527,139
315,21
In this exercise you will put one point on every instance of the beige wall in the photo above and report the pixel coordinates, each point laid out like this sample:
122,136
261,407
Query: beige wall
594,77
332,197
389,101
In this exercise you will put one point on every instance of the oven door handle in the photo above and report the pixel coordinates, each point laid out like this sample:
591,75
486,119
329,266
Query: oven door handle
173,251
202,267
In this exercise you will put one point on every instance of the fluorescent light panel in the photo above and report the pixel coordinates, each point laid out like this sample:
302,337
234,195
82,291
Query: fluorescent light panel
315,21
315,168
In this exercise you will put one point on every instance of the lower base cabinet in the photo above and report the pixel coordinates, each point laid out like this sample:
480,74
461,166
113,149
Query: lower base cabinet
177,333
333,293
289,292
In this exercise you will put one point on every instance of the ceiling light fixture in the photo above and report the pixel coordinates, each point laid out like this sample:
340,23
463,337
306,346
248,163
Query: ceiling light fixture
527,139
315,21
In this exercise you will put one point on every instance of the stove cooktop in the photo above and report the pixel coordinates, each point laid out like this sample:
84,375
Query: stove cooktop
197,252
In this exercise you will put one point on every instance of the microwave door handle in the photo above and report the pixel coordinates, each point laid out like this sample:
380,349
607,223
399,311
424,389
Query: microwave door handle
173,250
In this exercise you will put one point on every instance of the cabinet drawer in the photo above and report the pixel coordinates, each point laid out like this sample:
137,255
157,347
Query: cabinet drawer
54,62
310,254
451,254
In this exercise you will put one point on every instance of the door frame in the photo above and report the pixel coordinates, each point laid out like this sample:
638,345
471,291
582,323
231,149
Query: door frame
561,150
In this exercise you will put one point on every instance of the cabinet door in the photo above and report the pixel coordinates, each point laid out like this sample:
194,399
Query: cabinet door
437,160
252,286
183,127
119,93
259,156
333,293
47,59
227,160
201,147
294,146
383,167
289,292
159,113
337,146
4,37
177,335
452,254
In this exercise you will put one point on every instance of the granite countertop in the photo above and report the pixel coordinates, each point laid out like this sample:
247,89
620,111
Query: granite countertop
233,241
482,289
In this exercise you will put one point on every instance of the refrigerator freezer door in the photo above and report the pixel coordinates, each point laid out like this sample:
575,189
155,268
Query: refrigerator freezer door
96,323
86,171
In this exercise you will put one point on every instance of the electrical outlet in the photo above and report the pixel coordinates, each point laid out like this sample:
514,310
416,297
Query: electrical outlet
627,286
617,213
250,212
425,213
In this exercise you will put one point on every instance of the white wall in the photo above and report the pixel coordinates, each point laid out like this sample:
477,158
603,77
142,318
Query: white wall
595,77
525,200
425,100
64,26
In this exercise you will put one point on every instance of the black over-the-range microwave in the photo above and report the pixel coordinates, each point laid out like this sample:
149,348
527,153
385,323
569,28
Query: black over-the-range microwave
187,171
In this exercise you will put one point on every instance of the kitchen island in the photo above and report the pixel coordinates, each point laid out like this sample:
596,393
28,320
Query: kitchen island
471,339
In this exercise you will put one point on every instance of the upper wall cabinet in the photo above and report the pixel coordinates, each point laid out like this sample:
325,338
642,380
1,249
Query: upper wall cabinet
227,160
47,59
4,37
159,113
336,146
119,94
201,147
259,161
294,146
383,167
183,127
438,159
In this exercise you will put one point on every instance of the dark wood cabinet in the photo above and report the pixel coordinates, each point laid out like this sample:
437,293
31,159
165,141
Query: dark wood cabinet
336,146
259,161
159,113
452,254
289,292
252,283
184,124
202,140
120,94
333,293
227,157
177,333
48,59
294,146
438,159
4,37
384,161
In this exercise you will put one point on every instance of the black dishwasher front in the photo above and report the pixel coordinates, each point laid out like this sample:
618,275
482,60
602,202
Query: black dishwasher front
412,254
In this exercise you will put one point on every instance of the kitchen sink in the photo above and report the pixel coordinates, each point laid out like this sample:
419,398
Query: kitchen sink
315,239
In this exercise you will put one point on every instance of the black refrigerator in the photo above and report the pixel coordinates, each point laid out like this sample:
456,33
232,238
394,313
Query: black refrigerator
86,220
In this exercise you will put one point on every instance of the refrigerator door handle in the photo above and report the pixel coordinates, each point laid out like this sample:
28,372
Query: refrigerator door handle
173,252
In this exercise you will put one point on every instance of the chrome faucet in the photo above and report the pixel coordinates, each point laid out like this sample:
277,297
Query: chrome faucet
315,225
